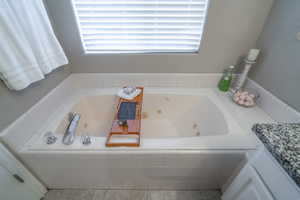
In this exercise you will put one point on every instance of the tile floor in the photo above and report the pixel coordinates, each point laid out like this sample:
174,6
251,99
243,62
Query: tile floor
131,195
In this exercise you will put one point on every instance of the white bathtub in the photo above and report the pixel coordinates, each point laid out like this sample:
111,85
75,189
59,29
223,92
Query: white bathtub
172,119
176,154
191,139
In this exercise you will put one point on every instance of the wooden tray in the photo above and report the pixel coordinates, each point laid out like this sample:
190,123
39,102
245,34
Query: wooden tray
133,127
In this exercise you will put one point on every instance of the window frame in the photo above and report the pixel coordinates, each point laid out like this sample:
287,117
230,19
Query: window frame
89,53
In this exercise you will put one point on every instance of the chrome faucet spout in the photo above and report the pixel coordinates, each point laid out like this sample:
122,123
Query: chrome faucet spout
69,136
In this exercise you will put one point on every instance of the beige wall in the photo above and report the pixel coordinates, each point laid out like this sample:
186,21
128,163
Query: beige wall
232,28
13,104
279,68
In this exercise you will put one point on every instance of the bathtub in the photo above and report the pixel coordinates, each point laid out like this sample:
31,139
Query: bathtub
171,119
190,139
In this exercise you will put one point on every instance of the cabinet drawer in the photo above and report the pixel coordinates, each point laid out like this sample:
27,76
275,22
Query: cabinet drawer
273,175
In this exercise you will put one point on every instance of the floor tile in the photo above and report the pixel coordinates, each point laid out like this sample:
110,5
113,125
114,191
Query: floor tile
156,195
70,195
209,195
184,195
99,194
131,195
126,195
52,195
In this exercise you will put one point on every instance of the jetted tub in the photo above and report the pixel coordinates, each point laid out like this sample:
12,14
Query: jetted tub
190,140
170,119
163,116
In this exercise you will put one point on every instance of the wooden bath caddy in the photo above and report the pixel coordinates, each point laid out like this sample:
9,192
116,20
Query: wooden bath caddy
132,119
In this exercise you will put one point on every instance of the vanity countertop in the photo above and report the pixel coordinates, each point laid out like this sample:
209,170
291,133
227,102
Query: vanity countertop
283,142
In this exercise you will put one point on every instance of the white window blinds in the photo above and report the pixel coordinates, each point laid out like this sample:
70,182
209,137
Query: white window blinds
140,26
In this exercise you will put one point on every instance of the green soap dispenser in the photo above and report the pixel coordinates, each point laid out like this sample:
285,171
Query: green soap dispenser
225,82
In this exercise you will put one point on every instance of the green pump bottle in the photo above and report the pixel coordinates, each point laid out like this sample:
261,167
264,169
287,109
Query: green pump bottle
225,82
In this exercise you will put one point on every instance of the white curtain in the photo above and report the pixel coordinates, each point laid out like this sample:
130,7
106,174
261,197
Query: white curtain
28,46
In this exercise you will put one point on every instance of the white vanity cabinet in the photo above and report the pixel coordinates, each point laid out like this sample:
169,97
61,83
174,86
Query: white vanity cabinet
247,186
262,178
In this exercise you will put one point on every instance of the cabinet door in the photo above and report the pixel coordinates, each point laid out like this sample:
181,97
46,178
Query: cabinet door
12,189
275,177
247,186
16,182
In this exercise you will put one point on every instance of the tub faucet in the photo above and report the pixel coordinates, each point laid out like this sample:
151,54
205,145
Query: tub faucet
69,136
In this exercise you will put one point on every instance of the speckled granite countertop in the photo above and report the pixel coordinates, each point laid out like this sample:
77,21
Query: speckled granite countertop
283,141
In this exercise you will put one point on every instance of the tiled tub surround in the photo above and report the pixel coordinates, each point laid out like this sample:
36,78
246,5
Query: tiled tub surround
178,165
283,142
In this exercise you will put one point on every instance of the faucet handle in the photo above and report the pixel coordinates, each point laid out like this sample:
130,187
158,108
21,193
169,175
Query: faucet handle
50,138
86,140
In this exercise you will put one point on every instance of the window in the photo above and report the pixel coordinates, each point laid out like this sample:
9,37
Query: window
140,26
